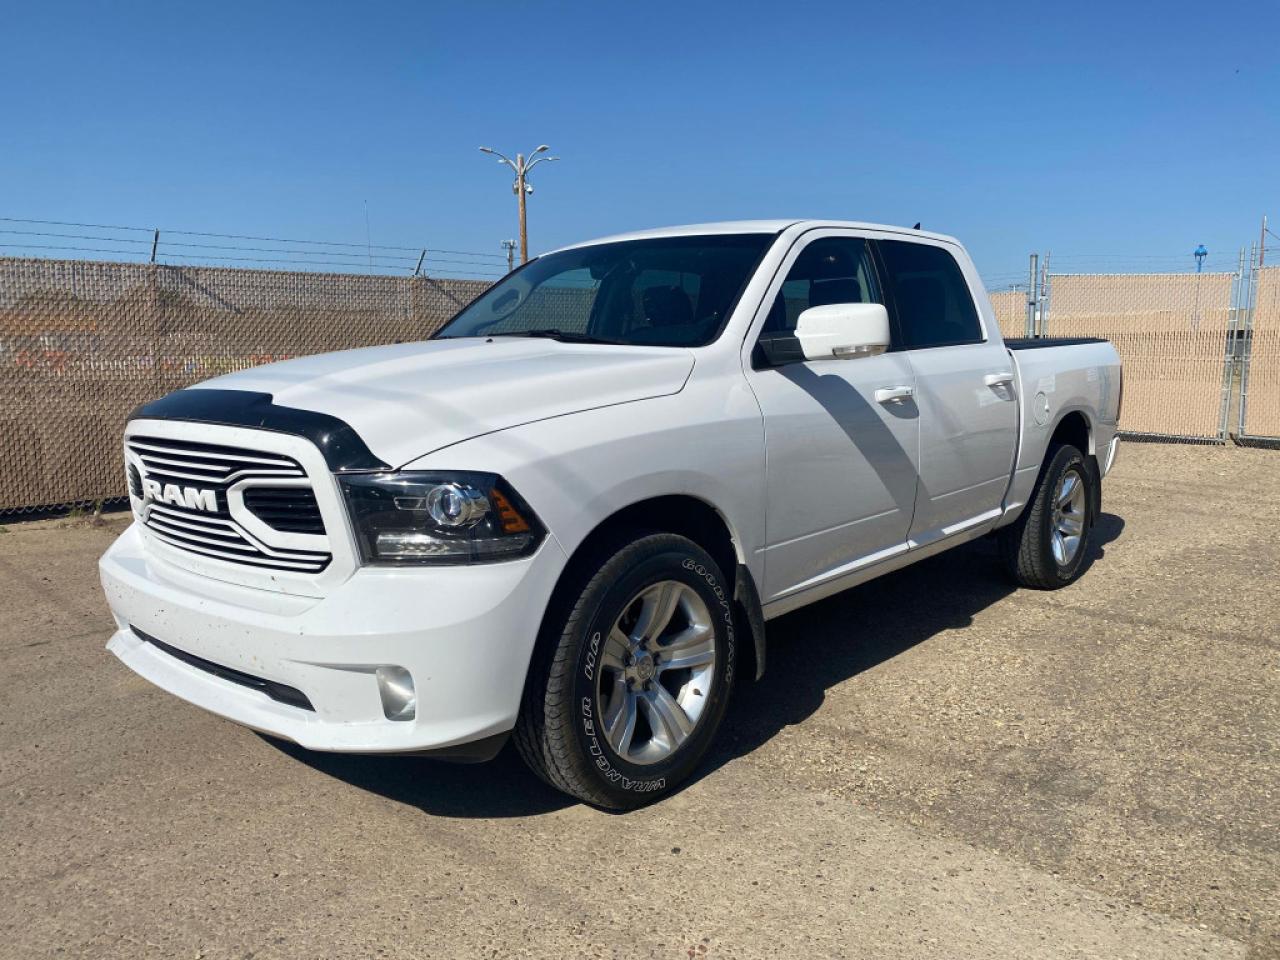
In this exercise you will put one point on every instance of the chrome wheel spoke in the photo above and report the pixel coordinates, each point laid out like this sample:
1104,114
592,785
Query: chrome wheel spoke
694,647
1071,524
620,721
657,607
670,724
616,647
1067,492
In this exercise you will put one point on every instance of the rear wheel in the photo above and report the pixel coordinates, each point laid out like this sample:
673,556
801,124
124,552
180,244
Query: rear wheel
633,674
1047,546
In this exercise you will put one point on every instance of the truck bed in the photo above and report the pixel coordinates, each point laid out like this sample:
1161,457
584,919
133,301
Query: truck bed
1081,375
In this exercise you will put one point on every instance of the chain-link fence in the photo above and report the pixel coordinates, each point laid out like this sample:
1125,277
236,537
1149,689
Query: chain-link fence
1011,312
82,343
1260,381
1172,333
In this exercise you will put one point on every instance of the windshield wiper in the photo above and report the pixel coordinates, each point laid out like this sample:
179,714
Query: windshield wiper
554,333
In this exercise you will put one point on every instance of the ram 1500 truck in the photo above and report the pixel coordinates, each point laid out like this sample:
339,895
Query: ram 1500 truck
569,514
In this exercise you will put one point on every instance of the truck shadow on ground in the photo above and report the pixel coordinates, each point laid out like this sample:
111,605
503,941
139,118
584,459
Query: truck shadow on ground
809,652
820,646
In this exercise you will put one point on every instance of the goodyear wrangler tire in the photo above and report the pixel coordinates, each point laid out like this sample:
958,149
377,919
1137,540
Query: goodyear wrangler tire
633,673
1047,547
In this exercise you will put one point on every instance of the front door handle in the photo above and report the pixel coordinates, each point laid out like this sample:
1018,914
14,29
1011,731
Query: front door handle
890,394
998,379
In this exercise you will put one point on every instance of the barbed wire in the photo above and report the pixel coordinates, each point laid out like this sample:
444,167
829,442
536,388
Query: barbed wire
1112,263
283,251
391,258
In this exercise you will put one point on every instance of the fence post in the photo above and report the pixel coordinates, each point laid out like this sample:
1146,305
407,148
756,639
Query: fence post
1246,351
1045,293
1032,296
1233,345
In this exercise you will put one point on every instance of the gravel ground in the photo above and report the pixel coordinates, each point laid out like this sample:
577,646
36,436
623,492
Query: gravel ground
936,765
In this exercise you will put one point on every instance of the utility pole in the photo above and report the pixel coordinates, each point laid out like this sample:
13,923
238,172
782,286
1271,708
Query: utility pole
510,247
521,187
1262,244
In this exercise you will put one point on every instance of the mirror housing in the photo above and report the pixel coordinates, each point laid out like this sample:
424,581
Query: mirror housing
842,331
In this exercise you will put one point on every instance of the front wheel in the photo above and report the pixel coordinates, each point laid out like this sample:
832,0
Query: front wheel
633,673
1048,545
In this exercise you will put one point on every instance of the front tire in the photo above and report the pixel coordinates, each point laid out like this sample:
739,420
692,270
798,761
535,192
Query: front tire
633,673
1047,547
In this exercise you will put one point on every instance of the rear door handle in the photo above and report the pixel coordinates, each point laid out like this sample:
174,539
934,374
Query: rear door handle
890,394
998,379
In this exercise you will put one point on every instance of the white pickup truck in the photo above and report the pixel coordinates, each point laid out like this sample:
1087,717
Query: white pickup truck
570,513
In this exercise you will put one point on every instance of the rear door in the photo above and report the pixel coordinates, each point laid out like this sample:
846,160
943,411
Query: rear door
964,389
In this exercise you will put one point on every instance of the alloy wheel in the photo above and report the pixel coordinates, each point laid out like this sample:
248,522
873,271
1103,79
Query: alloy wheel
656,672
1068,517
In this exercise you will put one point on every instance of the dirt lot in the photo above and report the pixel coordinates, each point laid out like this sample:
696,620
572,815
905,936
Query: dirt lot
935,766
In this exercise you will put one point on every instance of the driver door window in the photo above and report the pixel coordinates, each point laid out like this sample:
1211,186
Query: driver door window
830,270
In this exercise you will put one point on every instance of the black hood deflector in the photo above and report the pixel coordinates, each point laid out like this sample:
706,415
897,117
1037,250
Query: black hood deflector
338,442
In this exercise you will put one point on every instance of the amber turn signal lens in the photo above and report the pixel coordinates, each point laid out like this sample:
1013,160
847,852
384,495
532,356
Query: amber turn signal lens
511,520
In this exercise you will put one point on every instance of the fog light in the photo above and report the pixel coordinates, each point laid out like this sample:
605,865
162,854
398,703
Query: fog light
395,686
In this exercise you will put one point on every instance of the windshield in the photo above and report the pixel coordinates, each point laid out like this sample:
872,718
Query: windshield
669,291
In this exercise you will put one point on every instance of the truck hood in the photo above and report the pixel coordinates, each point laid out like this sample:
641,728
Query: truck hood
408,400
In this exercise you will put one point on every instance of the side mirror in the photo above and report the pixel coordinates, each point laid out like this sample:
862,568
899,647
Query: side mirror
843,330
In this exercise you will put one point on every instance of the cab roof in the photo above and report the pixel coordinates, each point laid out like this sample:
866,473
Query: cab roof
755,226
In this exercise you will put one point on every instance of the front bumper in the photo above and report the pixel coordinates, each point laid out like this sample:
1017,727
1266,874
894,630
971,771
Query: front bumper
465,634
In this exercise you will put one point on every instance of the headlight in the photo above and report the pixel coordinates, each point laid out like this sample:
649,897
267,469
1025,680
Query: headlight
412,518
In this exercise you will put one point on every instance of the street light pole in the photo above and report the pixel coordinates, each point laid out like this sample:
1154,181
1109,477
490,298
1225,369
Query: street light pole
521,167
521,188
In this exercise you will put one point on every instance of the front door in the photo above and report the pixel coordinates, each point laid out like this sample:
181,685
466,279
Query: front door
841,435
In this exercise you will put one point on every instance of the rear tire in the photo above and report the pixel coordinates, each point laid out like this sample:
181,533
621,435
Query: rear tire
1047,547
632,674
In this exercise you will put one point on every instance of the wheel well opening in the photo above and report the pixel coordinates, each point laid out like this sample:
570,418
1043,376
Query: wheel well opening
1073,429
683,515
701,523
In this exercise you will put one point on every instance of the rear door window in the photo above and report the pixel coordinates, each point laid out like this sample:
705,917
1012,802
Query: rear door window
933,302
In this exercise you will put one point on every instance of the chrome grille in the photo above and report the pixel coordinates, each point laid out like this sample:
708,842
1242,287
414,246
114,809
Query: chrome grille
208,462
181,465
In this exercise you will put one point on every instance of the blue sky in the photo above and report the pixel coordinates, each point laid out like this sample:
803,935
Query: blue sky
1117,135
